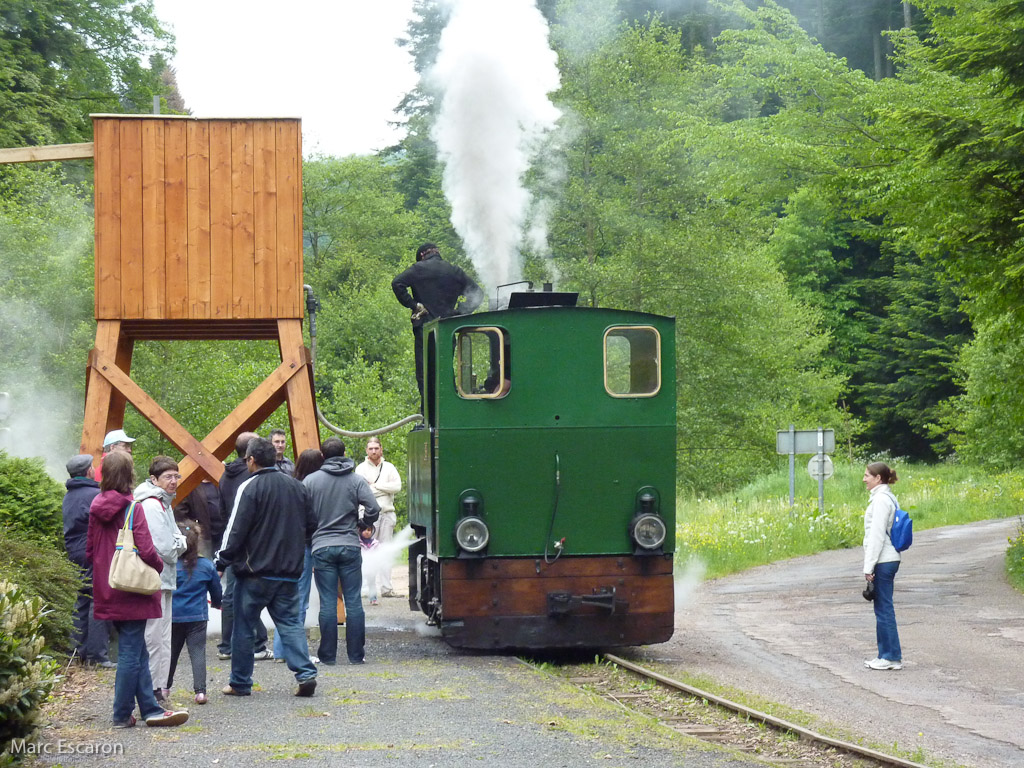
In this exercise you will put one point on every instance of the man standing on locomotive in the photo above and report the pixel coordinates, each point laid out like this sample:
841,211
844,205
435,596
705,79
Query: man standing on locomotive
436,287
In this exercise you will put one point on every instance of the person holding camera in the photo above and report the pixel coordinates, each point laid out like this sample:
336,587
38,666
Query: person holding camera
881,561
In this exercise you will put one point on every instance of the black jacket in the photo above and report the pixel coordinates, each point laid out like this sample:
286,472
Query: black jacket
437,285
75,510
270,528
204,506
234,475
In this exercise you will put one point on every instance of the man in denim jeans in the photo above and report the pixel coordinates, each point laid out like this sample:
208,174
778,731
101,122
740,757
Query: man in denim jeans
265,544
336,493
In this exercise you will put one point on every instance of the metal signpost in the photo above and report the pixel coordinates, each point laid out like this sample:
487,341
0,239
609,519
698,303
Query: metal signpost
817,441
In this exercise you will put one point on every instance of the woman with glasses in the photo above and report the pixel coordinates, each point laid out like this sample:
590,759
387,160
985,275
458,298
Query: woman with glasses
156,496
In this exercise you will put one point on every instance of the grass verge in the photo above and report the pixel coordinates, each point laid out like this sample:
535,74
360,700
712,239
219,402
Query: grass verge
755,525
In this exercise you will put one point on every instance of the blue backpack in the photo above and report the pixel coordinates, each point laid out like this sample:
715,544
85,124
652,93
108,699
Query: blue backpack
902,532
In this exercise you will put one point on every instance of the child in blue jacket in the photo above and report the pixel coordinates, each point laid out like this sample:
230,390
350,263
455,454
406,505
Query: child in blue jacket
189,612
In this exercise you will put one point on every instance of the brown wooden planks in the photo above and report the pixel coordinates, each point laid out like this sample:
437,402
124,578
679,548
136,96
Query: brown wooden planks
242,243
265,211
528,597
176,218
198,187
154,259
221,264
527,567
132,275
198,219
107,188
289,219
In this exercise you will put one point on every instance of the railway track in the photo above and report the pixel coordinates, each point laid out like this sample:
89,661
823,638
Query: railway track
718,734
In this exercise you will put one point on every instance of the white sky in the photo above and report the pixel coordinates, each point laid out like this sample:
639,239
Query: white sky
333,63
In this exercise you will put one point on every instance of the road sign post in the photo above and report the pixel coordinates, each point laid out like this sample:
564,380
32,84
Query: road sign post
818,441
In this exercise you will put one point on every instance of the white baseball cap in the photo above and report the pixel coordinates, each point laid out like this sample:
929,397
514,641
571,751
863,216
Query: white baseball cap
116,436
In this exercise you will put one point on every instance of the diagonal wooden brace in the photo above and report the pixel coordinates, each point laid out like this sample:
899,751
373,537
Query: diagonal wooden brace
203,459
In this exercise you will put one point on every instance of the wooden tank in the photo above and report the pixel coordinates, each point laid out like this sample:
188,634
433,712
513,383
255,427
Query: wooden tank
198,236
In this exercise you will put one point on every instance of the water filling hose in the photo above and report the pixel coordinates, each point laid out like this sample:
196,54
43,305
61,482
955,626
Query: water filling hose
312,305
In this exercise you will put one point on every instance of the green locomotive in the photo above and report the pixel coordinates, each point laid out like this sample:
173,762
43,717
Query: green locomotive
542,483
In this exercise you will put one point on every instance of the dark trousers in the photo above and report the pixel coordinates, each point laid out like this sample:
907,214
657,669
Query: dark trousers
194,634
92,635
227,617
281,599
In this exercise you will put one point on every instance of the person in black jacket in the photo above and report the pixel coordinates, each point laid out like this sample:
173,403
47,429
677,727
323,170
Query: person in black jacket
436,288
265,543
92,635
235,473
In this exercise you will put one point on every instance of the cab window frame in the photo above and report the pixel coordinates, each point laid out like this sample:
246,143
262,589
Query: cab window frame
657,360
503,340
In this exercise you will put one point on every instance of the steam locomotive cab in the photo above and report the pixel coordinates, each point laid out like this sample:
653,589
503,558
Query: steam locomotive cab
543,479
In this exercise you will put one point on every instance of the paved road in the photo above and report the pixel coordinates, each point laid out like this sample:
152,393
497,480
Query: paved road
798,632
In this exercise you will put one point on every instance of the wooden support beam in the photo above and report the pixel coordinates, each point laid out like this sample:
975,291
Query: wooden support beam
156,415
47,153
301,402
99,392
246,417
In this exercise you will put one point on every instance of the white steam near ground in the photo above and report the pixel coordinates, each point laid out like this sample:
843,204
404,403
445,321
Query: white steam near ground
375,561
494,72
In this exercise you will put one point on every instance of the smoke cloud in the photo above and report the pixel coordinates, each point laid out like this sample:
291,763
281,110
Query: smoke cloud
494,71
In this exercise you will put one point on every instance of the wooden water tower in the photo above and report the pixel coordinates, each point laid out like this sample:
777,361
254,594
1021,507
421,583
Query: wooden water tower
198,236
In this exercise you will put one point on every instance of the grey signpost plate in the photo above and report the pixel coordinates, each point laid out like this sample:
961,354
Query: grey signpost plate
806,441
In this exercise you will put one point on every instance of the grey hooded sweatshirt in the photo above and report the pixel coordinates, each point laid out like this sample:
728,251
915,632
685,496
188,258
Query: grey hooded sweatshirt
337,491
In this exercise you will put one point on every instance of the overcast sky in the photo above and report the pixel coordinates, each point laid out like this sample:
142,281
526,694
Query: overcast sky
333,63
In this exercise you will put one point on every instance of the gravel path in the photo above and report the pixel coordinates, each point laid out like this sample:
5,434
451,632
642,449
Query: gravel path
797,633
415,702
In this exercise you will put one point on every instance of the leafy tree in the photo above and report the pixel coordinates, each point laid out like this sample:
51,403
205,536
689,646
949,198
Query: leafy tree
61,60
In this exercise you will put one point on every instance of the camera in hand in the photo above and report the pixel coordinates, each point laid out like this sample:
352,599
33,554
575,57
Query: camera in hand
869,591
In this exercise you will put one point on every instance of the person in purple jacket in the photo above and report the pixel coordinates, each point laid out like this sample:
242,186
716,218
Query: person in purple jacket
126,610
189,612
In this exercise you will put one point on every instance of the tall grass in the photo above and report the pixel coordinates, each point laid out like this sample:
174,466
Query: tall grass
755,525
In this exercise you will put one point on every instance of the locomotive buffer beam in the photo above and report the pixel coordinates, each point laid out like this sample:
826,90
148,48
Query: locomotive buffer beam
564,603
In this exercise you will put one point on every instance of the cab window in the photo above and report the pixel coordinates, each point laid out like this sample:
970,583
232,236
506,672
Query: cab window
632,361
482,368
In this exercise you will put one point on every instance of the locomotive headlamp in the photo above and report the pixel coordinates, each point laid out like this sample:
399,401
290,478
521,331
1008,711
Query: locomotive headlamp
471,534
649,531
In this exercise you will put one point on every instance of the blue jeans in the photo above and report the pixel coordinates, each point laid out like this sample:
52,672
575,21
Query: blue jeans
304,583
281,599
885,615
133,682
331,565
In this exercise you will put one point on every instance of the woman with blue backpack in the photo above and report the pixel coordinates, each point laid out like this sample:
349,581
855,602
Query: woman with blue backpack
881,561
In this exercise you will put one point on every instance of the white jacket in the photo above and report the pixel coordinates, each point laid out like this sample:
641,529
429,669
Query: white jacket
384,482
167,539
878,519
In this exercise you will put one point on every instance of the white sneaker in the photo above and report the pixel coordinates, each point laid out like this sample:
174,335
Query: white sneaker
314,659
261,655
883,664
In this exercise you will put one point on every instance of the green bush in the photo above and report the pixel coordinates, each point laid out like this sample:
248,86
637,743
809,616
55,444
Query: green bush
32,544
30,500
43,571
26,676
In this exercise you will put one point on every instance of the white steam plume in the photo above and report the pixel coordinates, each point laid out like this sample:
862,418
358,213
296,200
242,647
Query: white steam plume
494,71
